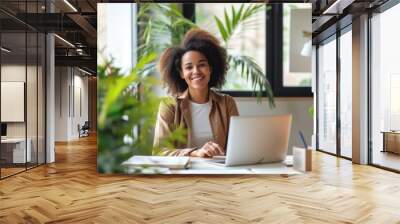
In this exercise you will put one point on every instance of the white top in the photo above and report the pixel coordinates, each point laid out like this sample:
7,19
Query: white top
201,128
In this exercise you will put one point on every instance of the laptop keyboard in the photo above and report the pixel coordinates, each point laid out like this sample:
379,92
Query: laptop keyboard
221,161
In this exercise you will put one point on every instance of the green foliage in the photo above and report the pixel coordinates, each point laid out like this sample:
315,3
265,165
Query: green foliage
311,111
160,26
127,109
305,82
163,26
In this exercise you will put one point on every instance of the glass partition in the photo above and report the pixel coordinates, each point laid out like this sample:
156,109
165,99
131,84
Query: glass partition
22,88
13,87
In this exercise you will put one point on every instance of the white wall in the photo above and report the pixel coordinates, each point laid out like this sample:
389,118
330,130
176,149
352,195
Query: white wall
80,97
298,107
61,103
71,87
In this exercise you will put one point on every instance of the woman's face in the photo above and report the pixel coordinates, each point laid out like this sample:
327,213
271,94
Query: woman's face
195,70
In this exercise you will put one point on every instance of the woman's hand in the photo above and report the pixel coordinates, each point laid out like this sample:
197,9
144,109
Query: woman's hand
209,149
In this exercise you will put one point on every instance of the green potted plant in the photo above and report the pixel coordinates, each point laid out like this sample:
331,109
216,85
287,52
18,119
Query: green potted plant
127,108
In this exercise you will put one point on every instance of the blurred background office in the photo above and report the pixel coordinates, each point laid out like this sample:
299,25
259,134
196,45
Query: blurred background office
332,64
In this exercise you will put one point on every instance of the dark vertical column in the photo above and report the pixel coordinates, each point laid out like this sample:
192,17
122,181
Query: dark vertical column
73,91
45,94
189,11
26,87
37,90
369,77
69,91
338,74
1,163
316,110
274,45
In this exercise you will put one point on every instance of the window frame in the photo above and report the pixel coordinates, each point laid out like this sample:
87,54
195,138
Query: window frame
332,36
274,54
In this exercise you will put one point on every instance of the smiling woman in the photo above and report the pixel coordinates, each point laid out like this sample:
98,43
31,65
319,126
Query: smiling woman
189,72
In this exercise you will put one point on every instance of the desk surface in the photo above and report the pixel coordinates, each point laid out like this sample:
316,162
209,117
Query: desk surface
391,132
203,166
13,140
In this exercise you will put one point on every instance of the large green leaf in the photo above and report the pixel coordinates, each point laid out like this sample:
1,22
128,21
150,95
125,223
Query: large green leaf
221,28
120,85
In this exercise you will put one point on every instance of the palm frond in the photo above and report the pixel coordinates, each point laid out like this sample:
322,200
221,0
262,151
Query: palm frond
231,21
248,68
243,64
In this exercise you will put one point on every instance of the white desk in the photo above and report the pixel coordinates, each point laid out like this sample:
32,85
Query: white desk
19,149
202,166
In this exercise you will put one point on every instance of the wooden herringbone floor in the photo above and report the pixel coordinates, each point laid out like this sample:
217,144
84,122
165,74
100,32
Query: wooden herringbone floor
70,191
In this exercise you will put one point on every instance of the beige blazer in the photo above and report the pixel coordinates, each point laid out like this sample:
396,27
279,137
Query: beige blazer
172,115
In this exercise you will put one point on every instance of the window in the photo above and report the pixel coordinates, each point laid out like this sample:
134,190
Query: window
334,92
249,39
385,87
117,41
281,46
287,45
394,102
327,96
297,45
346,94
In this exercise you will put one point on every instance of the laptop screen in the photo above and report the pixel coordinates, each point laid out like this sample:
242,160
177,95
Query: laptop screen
3,129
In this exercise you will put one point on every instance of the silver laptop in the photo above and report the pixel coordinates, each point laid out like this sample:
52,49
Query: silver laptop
256,139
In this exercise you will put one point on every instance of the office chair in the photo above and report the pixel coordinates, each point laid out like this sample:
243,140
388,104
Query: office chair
84,130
